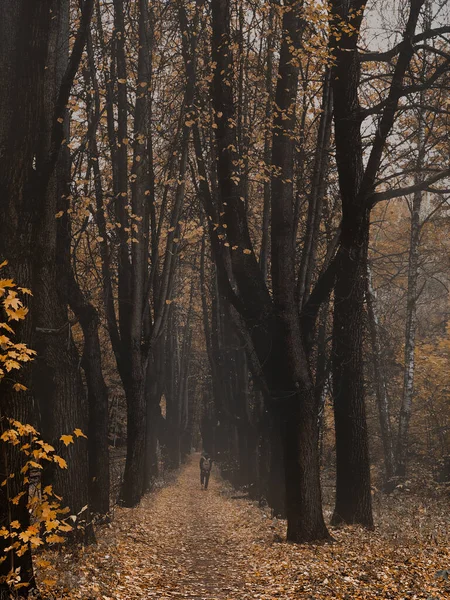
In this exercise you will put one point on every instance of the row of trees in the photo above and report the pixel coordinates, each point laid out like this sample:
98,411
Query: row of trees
188,190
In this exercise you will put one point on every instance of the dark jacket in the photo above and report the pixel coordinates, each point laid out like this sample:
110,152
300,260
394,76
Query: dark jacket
205,464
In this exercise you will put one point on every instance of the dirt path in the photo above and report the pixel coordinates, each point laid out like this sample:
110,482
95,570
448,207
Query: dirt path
196,540
185,543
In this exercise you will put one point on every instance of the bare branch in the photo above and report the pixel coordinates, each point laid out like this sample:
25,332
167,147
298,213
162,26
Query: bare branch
405,191
64,92
389,54
391,104
410,89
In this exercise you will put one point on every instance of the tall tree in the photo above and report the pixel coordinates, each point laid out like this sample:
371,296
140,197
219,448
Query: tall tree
357,185
57,379
24,28
273,326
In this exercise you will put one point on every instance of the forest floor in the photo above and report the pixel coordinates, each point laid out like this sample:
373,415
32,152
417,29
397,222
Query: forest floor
184,542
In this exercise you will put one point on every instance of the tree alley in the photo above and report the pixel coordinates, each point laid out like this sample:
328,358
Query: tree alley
187,189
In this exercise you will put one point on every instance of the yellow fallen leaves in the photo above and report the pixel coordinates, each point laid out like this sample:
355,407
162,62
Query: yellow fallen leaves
185,543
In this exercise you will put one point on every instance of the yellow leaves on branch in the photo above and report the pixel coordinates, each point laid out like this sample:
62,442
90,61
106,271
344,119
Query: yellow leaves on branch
45,447
60,461
31,534
18,387
4,284
12,355
50,521
10,435
11,302
18,314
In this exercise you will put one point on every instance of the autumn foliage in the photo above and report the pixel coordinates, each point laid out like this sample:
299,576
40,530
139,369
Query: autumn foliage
226,229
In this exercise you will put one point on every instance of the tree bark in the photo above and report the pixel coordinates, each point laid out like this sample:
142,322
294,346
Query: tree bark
353,494
265,239
98,428
153,391
24,31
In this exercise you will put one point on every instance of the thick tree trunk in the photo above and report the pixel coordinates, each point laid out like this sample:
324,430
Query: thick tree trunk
291,385
133,480
301,460
24,35
353,492
244,425
57,378
276,487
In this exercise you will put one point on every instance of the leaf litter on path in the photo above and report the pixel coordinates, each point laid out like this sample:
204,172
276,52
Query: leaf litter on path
184,542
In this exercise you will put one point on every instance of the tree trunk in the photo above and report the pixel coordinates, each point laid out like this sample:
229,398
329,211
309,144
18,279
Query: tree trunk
25,31
357,186
316,196
379,369
133,480
173,356
98,428
411,313
57,378
353,492
276,488
153,392
265,238
291,385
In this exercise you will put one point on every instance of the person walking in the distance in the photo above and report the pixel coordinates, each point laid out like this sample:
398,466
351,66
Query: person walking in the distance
205,470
